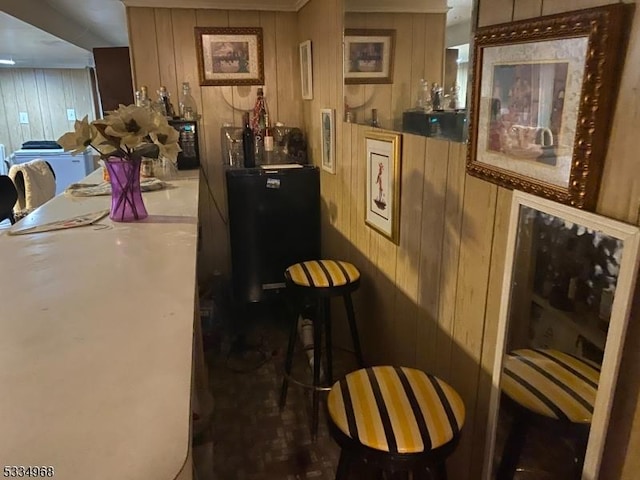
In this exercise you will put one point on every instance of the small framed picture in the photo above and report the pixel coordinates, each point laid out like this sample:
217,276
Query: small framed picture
368,55
327,128
230,56
382,209
306,70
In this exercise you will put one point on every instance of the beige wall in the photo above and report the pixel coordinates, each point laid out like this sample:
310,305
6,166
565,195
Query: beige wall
45,94
412,62
163,53
432,301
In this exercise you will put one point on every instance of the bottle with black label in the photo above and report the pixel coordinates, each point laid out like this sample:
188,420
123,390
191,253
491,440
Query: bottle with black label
248,146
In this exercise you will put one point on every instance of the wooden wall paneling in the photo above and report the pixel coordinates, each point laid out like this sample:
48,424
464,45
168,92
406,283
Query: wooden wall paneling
288,100
409,252
550,7
434,233
215,112
381,94
166,56
490,335
45,94
20,99
144,49
34,107
526,9
43,103
82,93
453,215
475,257
434,47
620,190
12,133
244,96
183,21
270,34
56,110
355,95
495,11
420,44
401,93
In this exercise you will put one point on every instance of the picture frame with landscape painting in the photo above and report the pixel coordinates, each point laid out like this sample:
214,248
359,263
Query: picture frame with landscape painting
543,95
368,55
230,55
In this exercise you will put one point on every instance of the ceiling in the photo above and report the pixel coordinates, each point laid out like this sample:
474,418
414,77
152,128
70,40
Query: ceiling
62,33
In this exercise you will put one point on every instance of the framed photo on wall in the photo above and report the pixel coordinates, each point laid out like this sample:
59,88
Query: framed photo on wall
368,55
230,56
306,70
543,96
328,136
382,193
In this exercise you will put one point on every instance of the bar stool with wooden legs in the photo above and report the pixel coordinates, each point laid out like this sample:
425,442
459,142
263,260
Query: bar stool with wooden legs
316,282
395,419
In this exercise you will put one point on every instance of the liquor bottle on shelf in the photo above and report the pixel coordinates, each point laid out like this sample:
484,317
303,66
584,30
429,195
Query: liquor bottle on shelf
164,104
187,105
248,148
374,118
258,122
142,97
268,135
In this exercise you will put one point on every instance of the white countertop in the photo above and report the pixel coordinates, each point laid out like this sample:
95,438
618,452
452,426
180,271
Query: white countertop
96,330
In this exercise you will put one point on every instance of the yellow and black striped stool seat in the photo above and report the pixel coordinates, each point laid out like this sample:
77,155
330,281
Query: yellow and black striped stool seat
396,409
322,273
551,383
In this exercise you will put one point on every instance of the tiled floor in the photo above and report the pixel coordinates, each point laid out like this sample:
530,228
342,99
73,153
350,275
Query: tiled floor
249,437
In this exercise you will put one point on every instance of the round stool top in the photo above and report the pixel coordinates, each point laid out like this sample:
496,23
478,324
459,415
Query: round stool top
551,383
396,409
323,273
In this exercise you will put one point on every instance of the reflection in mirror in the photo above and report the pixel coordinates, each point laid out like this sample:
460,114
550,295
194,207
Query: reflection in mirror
569,282
426,93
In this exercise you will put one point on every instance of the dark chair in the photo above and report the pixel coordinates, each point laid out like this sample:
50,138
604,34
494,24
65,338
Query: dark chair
8,198
397,420
314,283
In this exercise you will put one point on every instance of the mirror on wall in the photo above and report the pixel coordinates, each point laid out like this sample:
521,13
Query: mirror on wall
566,296
406,64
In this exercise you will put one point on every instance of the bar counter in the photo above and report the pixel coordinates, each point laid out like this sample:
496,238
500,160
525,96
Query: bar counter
96,339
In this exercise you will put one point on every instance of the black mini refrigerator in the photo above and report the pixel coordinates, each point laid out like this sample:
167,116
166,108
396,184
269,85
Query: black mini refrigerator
274,222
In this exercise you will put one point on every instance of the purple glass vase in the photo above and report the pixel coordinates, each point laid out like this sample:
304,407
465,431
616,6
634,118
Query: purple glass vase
126,198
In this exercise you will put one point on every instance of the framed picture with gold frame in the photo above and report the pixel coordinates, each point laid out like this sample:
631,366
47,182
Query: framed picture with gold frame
543,96
382,192
230,55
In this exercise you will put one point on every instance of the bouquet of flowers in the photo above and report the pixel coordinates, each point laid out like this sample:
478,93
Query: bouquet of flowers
129,133
122,139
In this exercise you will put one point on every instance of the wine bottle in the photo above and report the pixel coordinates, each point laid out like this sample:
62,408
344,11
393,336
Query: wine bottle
248,147
268,135
260,112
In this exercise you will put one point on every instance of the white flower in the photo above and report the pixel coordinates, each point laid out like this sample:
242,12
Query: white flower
78,140
166,138
130,132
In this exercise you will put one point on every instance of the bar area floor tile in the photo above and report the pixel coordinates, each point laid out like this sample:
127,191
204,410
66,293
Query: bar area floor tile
250,438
